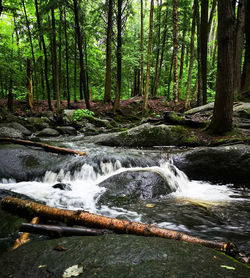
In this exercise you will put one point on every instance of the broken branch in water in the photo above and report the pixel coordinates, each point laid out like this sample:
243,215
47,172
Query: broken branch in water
24,236
46,147
28,208
59,231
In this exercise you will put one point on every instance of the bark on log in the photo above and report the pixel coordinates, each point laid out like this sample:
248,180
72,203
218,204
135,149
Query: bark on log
46,147
28,208
24,238
58,231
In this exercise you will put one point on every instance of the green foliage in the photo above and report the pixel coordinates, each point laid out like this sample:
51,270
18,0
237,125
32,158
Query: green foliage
80,114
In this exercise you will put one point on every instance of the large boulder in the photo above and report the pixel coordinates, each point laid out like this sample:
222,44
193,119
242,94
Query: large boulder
148,135
68,115
130,186
18,127
27,163
118,256
38,123
224,164
6,131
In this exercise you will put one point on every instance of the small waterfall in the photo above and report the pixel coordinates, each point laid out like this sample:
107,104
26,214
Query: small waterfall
85,190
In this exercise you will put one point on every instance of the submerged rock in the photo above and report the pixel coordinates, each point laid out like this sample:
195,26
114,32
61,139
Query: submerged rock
224,164
62,186
129,186
118,256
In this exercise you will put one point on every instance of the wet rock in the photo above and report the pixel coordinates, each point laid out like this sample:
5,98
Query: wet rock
18,127
148,135
69,130
48,132
62,186
118,256
6,131
130,186
27,163
224,164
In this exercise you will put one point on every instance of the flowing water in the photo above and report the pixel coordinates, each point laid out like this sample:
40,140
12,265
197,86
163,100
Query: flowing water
211,211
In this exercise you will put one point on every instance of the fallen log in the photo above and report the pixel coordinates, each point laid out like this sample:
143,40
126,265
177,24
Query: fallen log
24,238
28,208
46,147
59,231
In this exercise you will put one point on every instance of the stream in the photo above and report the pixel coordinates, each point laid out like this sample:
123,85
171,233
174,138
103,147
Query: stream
210,211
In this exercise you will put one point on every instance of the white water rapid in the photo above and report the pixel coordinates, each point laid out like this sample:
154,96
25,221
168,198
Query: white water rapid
85,190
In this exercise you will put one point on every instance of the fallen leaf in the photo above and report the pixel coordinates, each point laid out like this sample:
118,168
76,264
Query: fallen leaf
60,248
150,205
72,271
228,267
41,266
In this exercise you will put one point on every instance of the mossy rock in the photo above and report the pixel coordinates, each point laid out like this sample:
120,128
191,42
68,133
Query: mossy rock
148,135
118,256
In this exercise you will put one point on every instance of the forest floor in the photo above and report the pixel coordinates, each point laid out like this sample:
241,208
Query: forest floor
156,105
131,111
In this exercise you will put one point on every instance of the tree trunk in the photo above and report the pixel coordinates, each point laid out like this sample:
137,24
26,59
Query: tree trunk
66,58
82,70
200,84
60,53
142,50
245,79
162,53
150,40
29,83
54,47
191,63
175,50
32,49
158,41
75,71
119,57
170,77
46,147
28,208
107,93
239,42
204,41
45,55
181,63
223,107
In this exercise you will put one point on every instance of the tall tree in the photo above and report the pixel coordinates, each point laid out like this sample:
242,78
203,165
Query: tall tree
82,69
245,79
32,48
66,57
158,41
44,53
175,49
223,107
239,39
191,63
142,50
29,83
150,40
119,56
55,73
204,40
107,93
